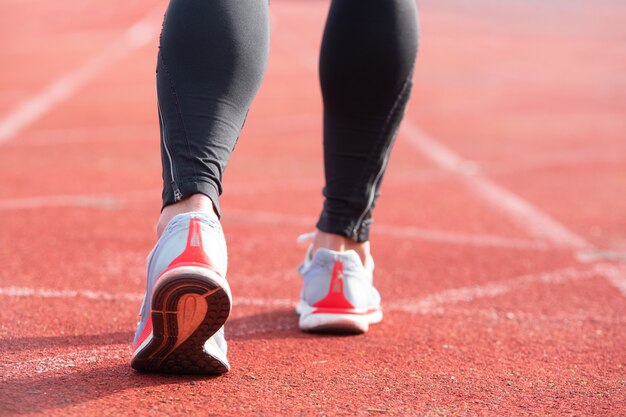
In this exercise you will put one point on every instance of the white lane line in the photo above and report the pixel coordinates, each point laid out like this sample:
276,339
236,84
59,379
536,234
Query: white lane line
423,305
119,200
14,291
567,158
536,222
108,201
408,232
498,314
60,201
50,293
615,275
298,123
587,256
77,135
435,302
138,35
456,238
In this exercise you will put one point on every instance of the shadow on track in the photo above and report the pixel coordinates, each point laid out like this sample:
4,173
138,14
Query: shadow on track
35,395
47,342
274,324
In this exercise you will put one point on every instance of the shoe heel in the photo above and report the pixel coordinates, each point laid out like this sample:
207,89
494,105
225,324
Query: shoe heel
188,307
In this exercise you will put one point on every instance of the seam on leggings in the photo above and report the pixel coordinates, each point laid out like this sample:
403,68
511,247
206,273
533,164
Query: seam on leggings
178,112
385,132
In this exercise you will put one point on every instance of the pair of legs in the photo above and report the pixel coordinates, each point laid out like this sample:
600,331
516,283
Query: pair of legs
211,62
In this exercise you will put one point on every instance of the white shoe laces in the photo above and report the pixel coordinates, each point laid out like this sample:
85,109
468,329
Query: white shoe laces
305,237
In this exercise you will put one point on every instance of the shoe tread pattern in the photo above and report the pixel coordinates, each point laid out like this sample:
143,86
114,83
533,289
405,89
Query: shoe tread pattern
190,357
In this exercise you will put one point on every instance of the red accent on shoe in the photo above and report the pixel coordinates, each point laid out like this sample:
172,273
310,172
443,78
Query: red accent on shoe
194,254
335,299
147,330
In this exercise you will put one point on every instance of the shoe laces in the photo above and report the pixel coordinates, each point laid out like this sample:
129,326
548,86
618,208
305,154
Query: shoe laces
305,237
308,257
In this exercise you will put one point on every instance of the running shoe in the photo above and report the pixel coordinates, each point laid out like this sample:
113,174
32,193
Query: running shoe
187,300
338,294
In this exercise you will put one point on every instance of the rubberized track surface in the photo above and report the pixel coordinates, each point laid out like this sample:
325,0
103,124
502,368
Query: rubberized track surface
500,239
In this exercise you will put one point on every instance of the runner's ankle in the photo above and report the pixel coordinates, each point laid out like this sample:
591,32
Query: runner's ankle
340,243
193,203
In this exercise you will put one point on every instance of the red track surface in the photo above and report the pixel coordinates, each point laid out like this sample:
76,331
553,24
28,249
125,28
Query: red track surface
500,238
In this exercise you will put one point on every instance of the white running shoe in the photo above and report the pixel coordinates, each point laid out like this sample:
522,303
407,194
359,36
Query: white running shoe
338,294
187,300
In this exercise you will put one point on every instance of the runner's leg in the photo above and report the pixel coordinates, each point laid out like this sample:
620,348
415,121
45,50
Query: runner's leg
366,63
211,62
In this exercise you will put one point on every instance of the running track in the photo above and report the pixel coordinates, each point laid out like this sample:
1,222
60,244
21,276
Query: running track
500,239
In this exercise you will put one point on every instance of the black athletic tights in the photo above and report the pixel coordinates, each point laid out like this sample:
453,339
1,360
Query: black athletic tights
211,63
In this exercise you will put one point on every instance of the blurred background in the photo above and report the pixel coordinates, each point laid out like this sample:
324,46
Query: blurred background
500,236
515,86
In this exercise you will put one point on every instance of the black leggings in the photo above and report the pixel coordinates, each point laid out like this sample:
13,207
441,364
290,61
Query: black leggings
211,62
